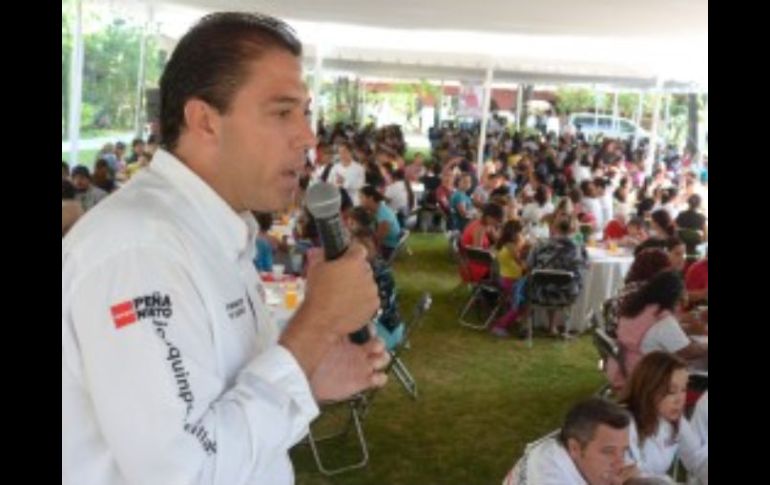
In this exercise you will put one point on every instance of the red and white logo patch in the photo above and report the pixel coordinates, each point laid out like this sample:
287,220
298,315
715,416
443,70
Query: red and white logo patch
123,314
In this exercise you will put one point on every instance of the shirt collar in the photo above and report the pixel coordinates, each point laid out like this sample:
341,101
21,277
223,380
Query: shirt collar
235,232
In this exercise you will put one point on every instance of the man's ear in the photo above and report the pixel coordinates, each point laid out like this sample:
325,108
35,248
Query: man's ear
202,120
574,448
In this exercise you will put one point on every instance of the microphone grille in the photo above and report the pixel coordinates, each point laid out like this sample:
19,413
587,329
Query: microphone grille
323,200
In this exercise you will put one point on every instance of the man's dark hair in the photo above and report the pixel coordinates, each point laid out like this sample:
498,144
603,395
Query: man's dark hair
67,190
694,202
265,220
583,419
502,191
372,192
564,226
361,216
664,289
211,62
493,211
81,170
673,241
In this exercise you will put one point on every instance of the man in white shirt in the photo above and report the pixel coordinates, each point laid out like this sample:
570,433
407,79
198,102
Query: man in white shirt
482,193
604,194
592,205
589,449
553,125
173,370
348,173
323,164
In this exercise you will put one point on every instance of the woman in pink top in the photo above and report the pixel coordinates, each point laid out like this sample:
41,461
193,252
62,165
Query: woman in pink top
648,323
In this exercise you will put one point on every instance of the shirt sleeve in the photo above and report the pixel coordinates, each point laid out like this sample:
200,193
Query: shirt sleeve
357,178
634,450
696,278
155,378
692,452
666,335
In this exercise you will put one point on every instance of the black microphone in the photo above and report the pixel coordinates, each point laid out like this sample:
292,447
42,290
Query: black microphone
323,202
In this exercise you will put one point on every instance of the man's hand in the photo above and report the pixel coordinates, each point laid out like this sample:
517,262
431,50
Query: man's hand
343,292
348,368
341,297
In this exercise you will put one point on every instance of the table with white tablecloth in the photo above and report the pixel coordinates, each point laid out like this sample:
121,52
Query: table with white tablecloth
275,288
603,278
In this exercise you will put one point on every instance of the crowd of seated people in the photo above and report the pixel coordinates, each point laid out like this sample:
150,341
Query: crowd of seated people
110,170
634,440
537,204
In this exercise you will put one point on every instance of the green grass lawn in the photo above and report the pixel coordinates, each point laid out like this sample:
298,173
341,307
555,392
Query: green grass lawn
85,157
411,152
481,399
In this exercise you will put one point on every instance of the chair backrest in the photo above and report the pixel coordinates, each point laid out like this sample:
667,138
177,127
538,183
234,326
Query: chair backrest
420,309
399,247
551,288
596,320
610,351
480,256
607,346
551,277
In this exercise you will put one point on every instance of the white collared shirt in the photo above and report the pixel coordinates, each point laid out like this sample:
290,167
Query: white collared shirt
354,178
656,454
546,463
171,372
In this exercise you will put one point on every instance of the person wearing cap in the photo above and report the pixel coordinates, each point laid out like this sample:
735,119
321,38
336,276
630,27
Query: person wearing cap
85,191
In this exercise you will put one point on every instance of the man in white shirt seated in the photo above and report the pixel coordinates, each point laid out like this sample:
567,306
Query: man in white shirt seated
348,174
589,450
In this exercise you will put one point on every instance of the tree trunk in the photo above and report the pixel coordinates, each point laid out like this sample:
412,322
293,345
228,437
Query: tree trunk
692,123
526,96
356,101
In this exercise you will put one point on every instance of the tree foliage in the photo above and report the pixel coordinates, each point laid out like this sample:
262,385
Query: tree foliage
110,71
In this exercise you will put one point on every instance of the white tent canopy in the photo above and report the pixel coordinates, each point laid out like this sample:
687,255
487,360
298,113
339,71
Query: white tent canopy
624,43
656,45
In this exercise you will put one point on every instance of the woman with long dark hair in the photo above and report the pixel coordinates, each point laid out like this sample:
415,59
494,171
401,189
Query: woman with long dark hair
655,396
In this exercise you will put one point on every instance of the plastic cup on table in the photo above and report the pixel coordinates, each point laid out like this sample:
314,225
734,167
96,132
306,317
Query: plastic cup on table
278,270
291,296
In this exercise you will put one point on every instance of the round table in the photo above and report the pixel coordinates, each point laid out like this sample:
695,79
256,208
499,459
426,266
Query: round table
604,277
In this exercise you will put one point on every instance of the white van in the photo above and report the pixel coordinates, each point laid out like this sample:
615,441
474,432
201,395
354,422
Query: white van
608,126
